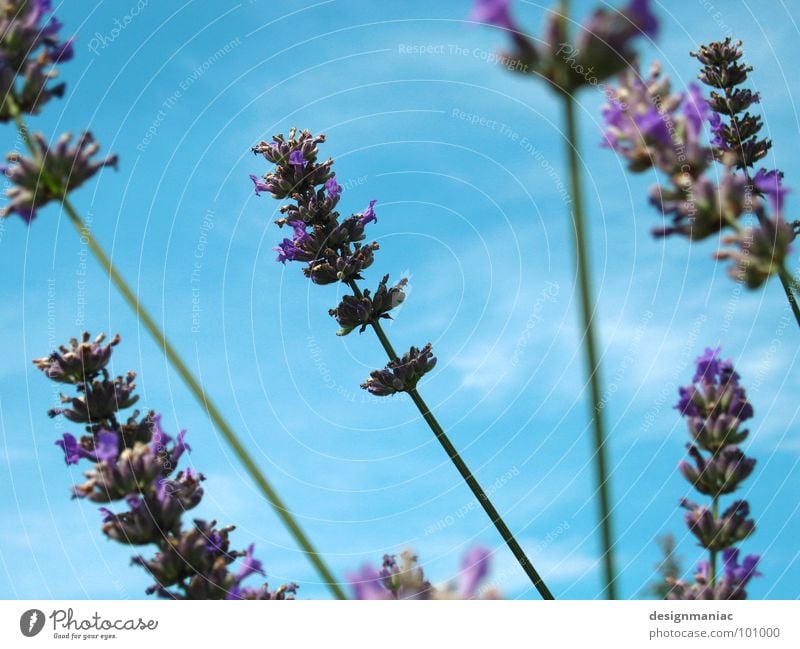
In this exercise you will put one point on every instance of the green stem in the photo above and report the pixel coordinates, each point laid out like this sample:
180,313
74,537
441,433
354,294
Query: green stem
463,469
712,563
183,371
590,346
787,281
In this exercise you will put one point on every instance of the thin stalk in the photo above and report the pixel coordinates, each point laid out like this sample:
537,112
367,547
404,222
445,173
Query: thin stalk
712,563
183,371
582,264
590,347
463,469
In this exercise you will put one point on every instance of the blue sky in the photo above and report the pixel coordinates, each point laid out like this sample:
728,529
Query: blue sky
473,216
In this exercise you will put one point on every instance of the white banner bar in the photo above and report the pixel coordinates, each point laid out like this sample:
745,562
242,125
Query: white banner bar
399,625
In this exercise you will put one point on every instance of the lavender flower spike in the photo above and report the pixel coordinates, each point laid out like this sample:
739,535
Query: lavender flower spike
334,252
714,405
133,467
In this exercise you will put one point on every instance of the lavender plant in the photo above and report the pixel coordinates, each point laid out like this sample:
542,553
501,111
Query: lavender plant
603,46
30,47
715,405
133,461
651,127
406,579
334,251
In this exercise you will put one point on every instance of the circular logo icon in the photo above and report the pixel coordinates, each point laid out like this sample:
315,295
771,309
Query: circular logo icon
31,622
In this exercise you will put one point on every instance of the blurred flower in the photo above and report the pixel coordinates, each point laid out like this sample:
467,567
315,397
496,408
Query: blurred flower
603,46
68,166
758,252
406,580
493,12
644,125
29,46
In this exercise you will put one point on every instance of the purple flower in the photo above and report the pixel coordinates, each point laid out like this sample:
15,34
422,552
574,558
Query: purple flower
260,185
79,362
133,462
73,451
106,448
369,214
708,365
68,165
368,584
474,569
296,158
406,580
718,130
696,109
493,12
770,183
653,127
737,576
641,14
250,566
29,46
287,251
333,188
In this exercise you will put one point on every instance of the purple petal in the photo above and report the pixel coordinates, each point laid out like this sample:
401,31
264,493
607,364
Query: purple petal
250,566
493,12
261,186
708,365
333,188
106,447
367,584
73,451
641,14
474,569
770,184
369,214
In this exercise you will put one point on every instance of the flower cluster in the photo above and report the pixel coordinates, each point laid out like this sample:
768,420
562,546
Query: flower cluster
50,173
715,405
135,463
406,580
401,374
355,311
332,249
650,126
29,46
602,47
